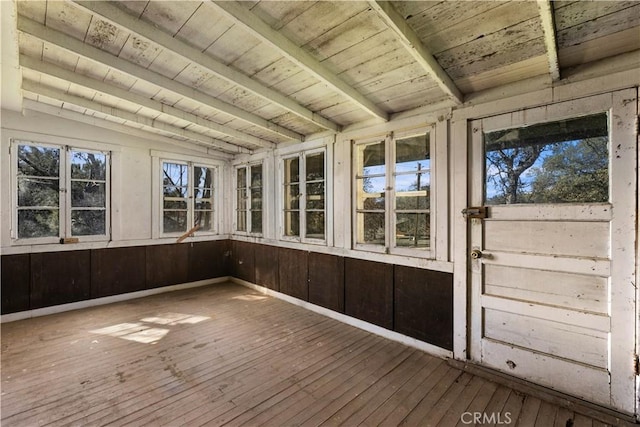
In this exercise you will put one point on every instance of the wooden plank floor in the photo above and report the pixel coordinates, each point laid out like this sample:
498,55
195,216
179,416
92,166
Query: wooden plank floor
227,355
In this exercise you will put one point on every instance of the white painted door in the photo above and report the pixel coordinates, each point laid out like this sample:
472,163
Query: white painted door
552,265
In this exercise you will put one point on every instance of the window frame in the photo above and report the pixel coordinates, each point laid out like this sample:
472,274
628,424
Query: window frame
390,239
248,199
64,202
302,204
215,188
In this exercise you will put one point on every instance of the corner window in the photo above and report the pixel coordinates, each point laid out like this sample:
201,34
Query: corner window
60,192
393,194
188,197
249,199
304,216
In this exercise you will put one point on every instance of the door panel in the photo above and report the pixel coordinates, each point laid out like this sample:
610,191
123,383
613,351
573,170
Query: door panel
548,303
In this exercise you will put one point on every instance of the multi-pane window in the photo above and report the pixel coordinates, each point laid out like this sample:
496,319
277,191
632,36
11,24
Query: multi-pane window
60,192
393,193
249,199
188,197
304,196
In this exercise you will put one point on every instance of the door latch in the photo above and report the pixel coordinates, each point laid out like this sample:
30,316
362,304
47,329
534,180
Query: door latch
479,212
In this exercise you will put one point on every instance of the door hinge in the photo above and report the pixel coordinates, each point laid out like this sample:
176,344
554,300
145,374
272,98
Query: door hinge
636,365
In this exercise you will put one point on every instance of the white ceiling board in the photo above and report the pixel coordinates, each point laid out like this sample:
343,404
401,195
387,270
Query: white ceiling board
139,51
106,36
30,45
203,28
91,69
168,15
33,9
65,17
168,64
279,13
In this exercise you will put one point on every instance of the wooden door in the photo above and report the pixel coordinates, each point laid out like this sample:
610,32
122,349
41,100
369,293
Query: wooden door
552,264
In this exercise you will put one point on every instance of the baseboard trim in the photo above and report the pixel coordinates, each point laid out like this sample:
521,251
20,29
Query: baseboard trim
360,324
21,315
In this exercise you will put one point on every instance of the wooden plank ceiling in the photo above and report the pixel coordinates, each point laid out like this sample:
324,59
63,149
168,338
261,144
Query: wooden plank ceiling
241,76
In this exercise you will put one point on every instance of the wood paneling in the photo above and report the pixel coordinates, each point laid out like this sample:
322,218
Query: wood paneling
293,272
117,271
208,260
266,263
326,281
369,291
243,261
60,277
167,265
16,276
424,305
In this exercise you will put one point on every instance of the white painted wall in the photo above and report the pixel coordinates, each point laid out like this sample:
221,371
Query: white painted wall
131,174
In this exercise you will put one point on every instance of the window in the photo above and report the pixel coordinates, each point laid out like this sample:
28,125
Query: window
188,197
393,193
558,162
304,196
249,199
60,192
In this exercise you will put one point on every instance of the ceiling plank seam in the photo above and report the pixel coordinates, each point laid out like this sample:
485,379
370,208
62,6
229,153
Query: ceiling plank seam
548,28
78,47
140,28
260,29
116,92
412,44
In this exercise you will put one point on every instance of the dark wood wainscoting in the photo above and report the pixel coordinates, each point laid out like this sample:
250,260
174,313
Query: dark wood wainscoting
412,301
38,280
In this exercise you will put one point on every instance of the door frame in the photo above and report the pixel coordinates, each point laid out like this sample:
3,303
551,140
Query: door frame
624,157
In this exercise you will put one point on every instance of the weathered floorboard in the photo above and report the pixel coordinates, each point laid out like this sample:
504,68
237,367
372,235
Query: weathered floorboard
227,355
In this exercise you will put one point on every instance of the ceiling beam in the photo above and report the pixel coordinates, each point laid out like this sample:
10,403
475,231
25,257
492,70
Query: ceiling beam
412,43
260,29
116,92
145,30
78,47
147,122
40,107
545,10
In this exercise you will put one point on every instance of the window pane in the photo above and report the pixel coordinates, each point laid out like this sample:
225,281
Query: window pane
315,167
174,221
88,165
241,178
292,197
256,221
370,228
38,161
242,197
241,220
88,194
412,154
256,176
203,205
292,223
315,195
88,223
414,196
38,192
292,170
175,175
202,177
557,162
412,230
256,198
371,159
38,223
204,220
202,193
371,193
175,204
315,225
172,191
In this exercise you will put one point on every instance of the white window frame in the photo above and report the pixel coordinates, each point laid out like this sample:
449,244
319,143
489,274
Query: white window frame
247,201
389,246
65,204
302,157
190,199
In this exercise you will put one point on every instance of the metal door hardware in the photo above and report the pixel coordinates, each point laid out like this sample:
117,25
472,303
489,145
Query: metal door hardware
475,254
475,212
